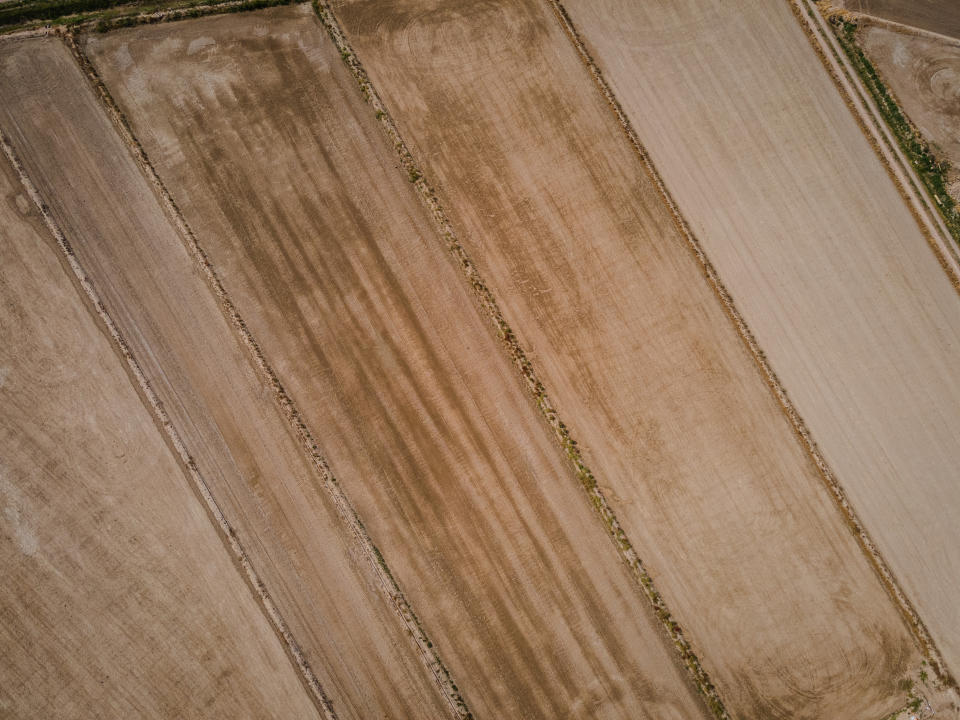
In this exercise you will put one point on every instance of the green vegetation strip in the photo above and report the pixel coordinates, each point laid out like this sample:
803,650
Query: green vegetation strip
931,170
103,15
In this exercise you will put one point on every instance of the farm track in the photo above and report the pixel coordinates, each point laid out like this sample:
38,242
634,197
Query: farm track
156,408
519,358
289,410
831,482
881,139
889,153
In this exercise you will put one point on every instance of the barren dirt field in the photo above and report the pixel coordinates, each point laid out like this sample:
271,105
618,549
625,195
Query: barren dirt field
821,254
292,189
118,597
924,75
325,591
672,415
939,16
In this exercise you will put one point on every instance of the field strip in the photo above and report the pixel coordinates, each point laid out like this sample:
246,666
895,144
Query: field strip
866,115
387,583
947,260
322,701
903,27
489,303
905,607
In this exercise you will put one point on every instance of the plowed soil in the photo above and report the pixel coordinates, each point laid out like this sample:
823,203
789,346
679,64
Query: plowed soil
118,597
672,414
822,255
262,136
228,420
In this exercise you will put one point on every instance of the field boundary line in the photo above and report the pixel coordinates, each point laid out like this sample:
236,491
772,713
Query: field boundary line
488,303
906,607
879,136
156,406
388,585
773,381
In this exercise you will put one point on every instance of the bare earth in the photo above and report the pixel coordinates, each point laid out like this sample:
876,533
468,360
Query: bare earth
290,186
820,253
924,75
939,16
673,416
118,599
229,422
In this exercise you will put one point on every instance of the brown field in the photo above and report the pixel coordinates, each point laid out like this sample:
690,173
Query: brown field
821,254
228,420
118,598
939,16
292,190
698,460
924,75
293,381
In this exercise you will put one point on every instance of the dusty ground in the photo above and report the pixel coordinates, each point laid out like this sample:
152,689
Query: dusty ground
924,75
671,412
939,16
291,188
118,597
821,254
259,475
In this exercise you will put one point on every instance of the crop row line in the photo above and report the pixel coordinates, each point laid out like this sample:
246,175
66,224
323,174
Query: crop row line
156,407
289,410
901,601
488,302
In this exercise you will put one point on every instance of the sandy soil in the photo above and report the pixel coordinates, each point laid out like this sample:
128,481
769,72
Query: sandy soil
671,412
821,254
924,76
939,16
229,422
291,188
118,597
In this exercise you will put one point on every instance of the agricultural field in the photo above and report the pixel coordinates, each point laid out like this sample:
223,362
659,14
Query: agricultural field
939,16
820,253
324,588
923,73
697,459
103,543
418,359
375,336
